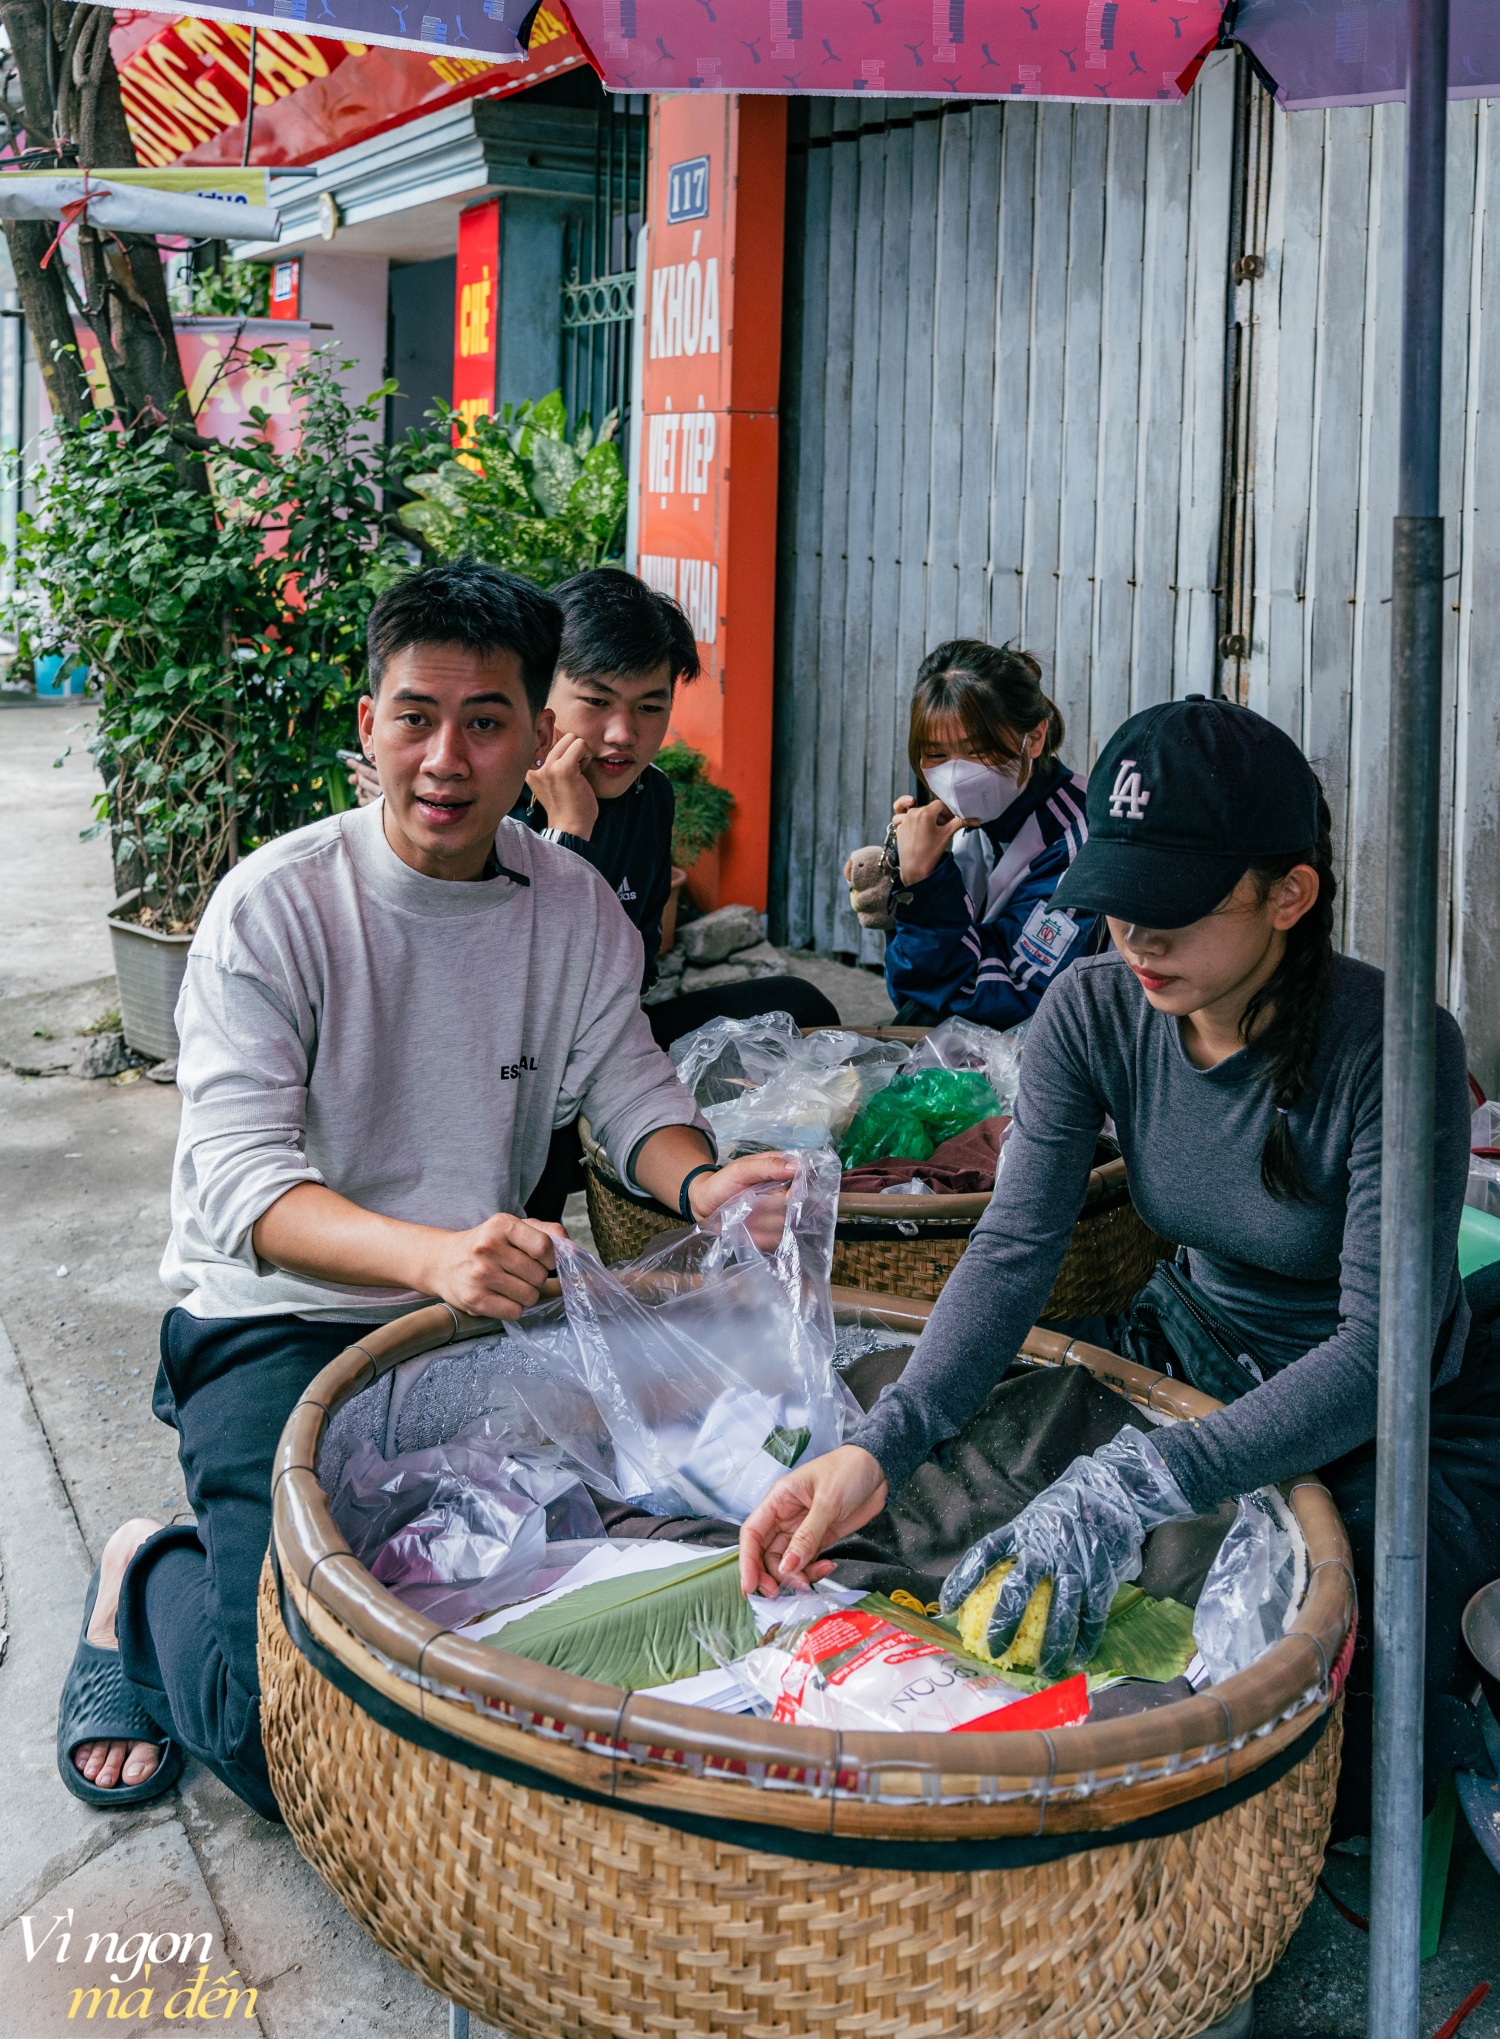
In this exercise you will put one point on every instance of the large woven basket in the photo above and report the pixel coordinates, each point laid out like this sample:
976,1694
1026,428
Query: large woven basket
563,1858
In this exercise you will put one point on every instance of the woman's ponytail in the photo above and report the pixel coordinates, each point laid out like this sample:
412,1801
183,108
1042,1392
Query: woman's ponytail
1294,995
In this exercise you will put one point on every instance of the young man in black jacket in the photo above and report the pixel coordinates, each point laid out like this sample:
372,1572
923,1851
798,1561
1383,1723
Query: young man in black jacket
625,649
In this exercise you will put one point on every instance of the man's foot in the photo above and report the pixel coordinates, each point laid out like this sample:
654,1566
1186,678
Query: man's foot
110,1763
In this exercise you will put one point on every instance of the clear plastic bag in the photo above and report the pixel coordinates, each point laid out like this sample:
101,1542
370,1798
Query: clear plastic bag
1251,1587
720,1061
462,1528
762,1085
691,1379
964,1044
1484,1160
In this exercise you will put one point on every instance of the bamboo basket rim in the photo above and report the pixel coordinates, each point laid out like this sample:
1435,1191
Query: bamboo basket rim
1086,1778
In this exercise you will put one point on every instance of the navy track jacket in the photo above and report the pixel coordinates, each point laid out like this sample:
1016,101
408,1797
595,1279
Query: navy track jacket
977,937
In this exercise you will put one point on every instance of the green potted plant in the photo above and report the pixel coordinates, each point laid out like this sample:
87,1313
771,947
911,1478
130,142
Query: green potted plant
526,493
222,617
703,812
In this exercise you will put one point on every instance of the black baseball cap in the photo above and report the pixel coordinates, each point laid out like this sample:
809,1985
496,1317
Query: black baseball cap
1184,799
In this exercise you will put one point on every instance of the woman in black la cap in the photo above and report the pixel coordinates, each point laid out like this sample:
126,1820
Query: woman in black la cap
1240,1059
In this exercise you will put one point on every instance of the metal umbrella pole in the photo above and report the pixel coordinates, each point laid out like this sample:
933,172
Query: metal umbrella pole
1406,1327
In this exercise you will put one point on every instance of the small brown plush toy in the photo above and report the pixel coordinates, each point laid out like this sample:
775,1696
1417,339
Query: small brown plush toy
869,880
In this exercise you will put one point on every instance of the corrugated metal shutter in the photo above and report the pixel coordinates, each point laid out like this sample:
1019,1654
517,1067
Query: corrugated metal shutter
1003,398
1326,340
1013,336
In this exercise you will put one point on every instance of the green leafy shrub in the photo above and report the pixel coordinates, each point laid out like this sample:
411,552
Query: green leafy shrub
224,627
703,808
235,290
527,495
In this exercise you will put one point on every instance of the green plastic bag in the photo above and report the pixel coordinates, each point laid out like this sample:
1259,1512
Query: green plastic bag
914,1114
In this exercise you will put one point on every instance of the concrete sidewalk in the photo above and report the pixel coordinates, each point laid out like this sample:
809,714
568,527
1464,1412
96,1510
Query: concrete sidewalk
84,1169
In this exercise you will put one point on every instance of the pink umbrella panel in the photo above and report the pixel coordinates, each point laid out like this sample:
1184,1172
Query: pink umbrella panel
1127,50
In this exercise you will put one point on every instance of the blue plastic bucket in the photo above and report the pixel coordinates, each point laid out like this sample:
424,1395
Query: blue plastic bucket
51,679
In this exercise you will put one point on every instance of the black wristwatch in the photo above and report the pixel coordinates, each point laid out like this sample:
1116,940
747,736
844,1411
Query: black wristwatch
890,863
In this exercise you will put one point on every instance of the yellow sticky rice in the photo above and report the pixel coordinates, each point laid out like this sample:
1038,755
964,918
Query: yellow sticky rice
974,1620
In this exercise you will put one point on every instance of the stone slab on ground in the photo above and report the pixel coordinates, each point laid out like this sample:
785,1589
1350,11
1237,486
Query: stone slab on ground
318,1971
147,1884
713,976
43,1033
713,937
45,1834
57,888
85,1172
857,995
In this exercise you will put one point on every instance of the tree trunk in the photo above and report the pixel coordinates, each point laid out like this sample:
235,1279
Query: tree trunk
71,98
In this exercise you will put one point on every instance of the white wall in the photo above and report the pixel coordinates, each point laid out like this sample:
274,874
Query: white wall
348,292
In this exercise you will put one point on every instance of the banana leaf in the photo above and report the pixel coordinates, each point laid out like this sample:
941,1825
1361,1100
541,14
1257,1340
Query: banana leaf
1144,1638
648,1629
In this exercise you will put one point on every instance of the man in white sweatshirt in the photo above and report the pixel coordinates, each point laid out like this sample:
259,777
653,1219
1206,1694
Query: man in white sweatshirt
385,1014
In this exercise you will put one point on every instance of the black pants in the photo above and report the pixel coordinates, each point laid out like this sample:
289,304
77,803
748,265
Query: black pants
674,1017
1463,1554
186,1623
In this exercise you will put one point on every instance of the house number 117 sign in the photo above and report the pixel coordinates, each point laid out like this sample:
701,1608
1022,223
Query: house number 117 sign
687,190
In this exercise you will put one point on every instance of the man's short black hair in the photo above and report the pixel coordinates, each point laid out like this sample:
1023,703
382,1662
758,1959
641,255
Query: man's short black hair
615,627
476,606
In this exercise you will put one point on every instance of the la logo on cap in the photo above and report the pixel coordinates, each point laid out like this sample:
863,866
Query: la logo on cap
1128,798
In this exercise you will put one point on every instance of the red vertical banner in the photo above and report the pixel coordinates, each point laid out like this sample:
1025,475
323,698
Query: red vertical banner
710,390
286,289
475,312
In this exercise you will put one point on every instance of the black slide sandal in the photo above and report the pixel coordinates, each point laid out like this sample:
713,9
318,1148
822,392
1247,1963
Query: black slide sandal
98,1705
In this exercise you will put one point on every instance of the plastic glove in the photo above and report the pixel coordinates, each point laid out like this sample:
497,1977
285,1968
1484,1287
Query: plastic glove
1085,1533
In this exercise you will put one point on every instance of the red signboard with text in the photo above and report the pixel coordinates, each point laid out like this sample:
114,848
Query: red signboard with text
710,376
475,312
185,84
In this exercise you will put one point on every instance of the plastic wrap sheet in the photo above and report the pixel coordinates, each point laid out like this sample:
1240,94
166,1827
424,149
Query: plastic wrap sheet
964,1044
762,1085
684,1382
1484,1161
1250,1587
710,1362
460,1528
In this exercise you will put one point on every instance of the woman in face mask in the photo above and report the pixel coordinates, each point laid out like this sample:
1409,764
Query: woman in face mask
970,866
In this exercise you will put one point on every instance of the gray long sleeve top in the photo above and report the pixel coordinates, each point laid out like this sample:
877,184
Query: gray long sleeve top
409,1041
1300,1280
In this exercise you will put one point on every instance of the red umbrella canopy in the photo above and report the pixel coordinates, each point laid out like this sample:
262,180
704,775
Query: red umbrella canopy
1049,49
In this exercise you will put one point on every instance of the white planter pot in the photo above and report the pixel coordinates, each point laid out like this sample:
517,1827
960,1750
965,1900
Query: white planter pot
149,969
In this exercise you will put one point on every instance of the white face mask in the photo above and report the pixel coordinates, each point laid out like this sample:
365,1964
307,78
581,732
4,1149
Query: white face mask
970,790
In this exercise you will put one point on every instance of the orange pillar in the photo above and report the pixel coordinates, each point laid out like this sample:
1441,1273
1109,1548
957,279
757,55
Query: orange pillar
710,389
